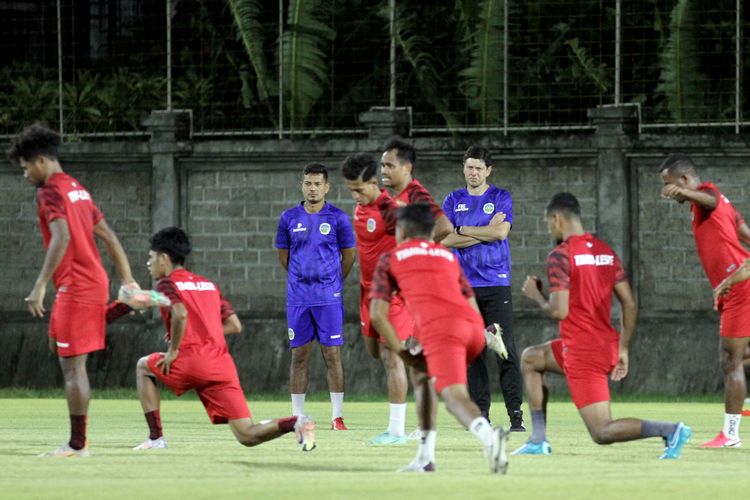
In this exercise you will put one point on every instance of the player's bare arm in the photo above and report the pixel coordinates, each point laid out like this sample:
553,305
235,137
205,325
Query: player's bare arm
347,260
179,322
232,325
624,295
496,230
379,316
284,258
443,227
743,233
741,274
557,305
115,251
60,237
705,199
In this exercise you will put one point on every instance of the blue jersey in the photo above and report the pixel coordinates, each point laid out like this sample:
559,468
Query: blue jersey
314,242
486,263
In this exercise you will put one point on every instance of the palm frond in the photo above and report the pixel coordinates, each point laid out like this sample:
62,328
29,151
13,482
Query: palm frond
305,55
682,81
483,80
588,69
247,16
417,50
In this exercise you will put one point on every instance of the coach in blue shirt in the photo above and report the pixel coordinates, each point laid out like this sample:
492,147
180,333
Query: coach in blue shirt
482,216
315,242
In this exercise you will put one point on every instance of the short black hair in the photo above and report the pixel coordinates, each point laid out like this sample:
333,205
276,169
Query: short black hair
405,152
564,203
316,169
33,141
359,166
678,163
416,220
172,241
478,152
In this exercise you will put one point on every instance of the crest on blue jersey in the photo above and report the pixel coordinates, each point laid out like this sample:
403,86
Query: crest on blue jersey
325,228
488,208
291,334
371,224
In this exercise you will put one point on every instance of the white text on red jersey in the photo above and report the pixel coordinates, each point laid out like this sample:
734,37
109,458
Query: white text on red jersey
195,286
587,259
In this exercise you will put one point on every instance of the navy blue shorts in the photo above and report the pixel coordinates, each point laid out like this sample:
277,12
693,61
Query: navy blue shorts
322,323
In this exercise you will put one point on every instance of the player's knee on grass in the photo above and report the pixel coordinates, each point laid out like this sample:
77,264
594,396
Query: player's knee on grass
532,358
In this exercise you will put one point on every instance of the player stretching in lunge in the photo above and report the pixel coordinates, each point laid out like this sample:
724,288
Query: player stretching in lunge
447,324
583,271
718,229
69,220
197,357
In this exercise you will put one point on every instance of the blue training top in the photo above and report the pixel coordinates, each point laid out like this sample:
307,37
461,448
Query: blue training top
314,242
486,263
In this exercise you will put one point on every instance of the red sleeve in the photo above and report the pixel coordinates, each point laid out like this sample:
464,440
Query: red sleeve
558,269
620,274
168,288
421,195
389,212
117,310
466,289
383,284
51,204
226,308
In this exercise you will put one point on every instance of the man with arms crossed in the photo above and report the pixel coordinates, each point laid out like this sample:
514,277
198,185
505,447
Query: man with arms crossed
718,229
315,243
69,219
482,215
197,357
583,271
447,324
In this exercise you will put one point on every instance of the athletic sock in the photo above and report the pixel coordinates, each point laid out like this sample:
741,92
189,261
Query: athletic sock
482,429
286,424
538,426
337,405
731,426
77,431
397,420
426,449
651,428
298,404
153,419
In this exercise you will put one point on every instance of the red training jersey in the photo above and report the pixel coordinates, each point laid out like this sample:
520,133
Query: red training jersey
375,229
415,192
716,237
80,277
427,275
589,269
204,332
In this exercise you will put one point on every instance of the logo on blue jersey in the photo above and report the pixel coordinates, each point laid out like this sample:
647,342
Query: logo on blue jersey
488,208
291,334
325,228
299,228
461,208
371,225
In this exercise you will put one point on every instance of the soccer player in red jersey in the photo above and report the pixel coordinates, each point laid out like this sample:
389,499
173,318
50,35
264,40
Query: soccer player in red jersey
447,325
397,164
69,219
197,357
719,230
375,229
583,271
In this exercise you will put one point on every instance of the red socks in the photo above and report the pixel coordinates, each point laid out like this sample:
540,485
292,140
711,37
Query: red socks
77,431
287,424
153,418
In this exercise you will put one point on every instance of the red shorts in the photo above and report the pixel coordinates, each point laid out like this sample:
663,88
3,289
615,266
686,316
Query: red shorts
449,348
215,380
77,328
734,320
398,315
588,382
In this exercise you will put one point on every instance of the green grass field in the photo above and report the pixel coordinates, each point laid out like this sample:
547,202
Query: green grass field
204,461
